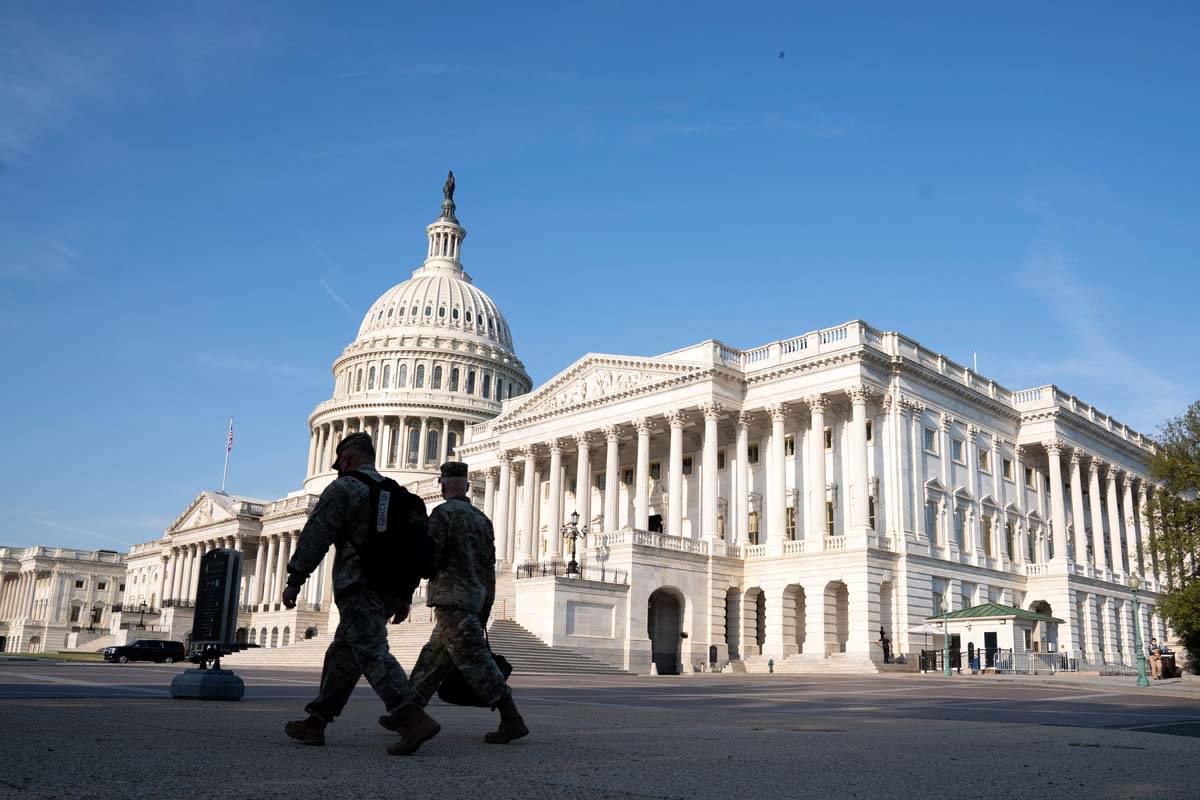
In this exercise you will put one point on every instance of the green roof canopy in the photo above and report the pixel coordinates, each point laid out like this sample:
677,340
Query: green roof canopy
994,610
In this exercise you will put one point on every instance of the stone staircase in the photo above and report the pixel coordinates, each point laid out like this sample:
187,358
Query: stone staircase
528,654
93,644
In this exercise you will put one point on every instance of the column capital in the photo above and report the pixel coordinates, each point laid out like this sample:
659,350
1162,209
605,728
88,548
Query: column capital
1054,447
642,426
491,473
859,394
527,453
743,419
777,412
582,439
612,433
1075,457
817,402
972,429
1018,450
1094,465
711,411
945,420
504,457
1112,473
555,446
676,418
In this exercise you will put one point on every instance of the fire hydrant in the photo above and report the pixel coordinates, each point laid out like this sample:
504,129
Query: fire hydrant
771,666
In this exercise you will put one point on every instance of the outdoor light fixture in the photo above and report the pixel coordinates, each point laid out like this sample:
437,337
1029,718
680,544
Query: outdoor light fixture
1135,583
572,532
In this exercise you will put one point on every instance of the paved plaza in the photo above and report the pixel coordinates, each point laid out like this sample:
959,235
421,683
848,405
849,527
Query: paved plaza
102,730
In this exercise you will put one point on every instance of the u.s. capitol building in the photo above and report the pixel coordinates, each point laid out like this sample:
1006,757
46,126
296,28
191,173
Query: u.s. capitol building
783,502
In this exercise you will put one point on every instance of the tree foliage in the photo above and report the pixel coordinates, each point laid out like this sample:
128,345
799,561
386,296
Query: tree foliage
1175,519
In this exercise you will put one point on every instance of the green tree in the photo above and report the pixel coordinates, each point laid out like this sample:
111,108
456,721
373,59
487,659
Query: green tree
1175,518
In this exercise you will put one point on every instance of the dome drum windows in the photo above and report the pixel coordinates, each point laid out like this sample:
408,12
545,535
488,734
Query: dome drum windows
471,381
387,376
402,376
419,380
454,373
437,378
358,381
371,378
441,312
487,385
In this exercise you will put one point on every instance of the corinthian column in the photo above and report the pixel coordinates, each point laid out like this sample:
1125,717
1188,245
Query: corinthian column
1058,508
612,469
860,520
641,481
1131,552
500,517
527,500
554,512
711,412
816,492
583,479
676,420
741,480
489,493
1114,523
1077,507
1097,516
776,501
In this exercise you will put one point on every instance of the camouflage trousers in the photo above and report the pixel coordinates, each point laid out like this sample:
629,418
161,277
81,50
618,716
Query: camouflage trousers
458,640
359,648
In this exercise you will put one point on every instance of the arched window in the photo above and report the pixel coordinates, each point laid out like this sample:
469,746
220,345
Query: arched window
468,317
441,312
429,311
431,446
387,375
414,441
437,378
470,381
419,381
402,376
454,379
454,314
358,382
510,390
499,390
487,386
451,442
371,378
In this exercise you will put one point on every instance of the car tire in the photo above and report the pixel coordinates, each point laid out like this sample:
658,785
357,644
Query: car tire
168,660
122,659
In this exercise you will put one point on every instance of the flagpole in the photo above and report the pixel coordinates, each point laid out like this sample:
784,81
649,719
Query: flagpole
228,448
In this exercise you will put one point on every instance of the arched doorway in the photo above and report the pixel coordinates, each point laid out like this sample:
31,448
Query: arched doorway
35,644
837,616
1043,633
274,637
287,636
733,622
664,623
241,637
754,622
253,636
887,610
262,638
794,631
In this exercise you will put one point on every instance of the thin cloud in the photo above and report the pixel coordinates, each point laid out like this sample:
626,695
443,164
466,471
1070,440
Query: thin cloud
254,366
336,297
30,260
770,123
1081,309
61,526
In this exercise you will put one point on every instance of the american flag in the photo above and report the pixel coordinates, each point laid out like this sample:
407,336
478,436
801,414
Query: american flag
229,440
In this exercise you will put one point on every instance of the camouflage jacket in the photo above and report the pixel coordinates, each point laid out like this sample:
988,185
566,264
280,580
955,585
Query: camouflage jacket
465,557
341,517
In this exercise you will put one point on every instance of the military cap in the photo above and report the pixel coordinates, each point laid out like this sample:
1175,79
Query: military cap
359,439
454,469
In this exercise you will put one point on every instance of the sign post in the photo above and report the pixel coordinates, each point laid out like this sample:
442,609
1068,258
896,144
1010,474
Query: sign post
213,629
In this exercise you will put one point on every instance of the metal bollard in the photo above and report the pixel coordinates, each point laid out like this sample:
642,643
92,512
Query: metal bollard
771,666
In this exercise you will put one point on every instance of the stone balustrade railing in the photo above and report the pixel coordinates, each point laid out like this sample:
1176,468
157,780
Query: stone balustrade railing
794,547
835,543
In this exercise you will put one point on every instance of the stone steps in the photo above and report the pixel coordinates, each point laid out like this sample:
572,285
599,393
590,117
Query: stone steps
528,654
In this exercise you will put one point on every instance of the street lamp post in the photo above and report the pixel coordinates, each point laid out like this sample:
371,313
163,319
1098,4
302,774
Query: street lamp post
142,618
1135,583
573,532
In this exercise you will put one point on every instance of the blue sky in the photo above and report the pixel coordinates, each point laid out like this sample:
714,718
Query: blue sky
197,205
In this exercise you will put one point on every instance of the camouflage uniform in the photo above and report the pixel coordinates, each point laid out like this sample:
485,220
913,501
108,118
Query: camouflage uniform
359,645
461,593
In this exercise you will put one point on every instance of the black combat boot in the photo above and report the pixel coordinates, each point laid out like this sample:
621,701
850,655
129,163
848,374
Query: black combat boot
415,728
310,730
512,726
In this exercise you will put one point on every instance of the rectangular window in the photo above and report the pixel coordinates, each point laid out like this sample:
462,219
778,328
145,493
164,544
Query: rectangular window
598,481
1010,538
121,588
752,454
985,461
1029,478
931,522
870,431
960,526
545,491
937,604
752,524
789,444
871,512
574,486
931,441
1028,640
78,584
720,459
627,476
829,518
986,531
1008,469
790,521
687,465
956,450
100,587
656,470
1032,548
829,438
75,613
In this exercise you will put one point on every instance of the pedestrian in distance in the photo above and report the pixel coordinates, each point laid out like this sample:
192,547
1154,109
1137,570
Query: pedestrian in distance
376,527
461,593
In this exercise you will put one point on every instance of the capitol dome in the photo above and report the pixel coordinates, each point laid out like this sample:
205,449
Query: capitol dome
433,354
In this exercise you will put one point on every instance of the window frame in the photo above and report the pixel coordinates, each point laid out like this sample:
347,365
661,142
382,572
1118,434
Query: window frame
930,440
958,450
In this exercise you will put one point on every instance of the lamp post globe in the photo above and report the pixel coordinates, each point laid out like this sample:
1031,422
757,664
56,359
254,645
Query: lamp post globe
1135,583
572,532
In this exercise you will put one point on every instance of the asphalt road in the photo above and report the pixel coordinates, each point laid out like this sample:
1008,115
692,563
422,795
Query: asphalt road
697,736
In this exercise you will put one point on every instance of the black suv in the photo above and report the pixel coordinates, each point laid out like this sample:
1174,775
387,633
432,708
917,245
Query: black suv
146,650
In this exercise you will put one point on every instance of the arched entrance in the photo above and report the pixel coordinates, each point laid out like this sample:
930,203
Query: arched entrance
733,622
274,637
837,616
754,622
241,637
664,621
287,636
35,644
1043,632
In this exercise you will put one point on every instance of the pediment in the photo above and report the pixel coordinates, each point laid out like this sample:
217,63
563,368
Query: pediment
204,510
593,380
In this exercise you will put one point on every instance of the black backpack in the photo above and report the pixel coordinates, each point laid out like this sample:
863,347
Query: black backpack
398,552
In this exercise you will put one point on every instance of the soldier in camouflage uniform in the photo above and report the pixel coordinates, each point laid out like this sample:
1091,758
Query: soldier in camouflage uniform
461,593
359,646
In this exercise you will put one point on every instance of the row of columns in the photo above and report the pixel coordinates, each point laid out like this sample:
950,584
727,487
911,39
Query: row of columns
1131,526
16,600
324,439
499,497
1107,627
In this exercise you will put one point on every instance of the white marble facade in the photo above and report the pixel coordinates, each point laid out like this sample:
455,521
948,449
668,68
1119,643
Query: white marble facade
783,502
786,502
